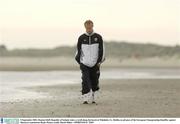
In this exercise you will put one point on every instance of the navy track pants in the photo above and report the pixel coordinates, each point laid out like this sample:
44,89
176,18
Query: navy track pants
90,78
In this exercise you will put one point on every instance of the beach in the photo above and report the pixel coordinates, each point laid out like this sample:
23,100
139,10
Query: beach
117,98
47,47
42,87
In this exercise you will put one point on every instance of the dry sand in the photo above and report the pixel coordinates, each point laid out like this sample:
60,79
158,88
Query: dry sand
118,98
67,63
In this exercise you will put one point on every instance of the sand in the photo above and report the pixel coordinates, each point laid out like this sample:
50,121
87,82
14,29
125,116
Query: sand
118,98
69,63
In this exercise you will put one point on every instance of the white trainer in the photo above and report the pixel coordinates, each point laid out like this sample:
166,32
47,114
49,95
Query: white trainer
86,98
93,97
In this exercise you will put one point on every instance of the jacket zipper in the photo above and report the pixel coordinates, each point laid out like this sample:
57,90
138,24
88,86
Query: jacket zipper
90,48
89,39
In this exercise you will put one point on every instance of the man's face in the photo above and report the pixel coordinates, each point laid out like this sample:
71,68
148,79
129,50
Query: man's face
89,28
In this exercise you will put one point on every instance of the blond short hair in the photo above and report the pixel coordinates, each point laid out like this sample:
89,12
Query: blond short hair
87,22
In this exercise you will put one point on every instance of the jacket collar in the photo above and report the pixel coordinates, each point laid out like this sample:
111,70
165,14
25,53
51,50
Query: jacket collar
89,34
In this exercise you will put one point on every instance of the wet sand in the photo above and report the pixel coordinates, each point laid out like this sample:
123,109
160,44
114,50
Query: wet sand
117,98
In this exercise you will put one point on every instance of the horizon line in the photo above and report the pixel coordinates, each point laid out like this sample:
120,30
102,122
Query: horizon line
105,41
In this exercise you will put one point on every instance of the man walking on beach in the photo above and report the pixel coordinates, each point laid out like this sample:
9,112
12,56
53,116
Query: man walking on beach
90,54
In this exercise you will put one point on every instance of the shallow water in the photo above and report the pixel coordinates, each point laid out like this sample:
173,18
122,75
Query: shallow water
11,82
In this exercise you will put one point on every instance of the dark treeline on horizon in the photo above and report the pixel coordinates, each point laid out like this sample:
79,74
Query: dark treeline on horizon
113,49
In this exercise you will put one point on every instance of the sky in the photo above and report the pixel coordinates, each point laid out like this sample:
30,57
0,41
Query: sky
50,23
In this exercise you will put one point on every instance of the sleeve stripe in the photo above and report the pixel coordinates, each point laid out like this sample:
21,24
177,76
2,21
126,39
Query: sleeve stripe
103,56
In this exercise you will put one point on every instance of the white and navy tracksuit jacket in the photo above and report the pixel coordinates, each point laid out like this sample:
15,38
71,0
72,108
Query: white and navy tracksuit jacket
90,52
90,49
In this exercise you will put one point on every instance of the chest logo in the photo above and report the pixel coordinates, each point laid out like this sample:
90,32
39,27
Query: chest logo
95,39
